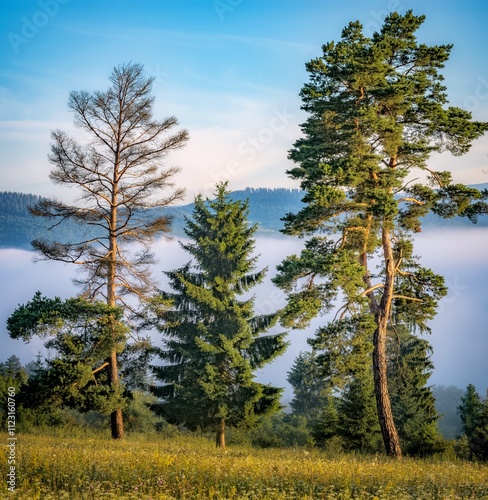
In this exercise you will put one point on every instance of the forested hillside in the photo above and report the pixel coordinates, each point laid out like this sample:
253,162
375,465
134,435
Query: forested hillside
266,208
18,228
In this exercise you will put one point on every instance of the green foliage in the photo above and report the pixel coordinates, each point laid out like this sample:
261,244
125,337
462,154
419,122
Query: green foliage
83,334
325,428
413,403
474,416
357,417
470,410
377,110
212,341
12,374
138,416
279,431
310,389
479,436
345,348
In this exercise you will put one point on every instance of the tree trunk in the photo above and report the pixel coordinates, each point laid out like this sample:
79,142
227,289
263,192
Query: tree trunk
116,416
220,435
383,405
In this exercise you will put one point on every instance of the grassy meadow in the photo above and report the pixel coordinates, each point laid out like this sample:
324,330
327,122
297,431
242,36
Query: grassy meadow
190,467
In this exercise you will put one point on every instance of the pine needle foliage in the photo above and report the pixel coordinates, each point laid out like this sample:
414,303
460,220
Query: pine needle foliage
377,110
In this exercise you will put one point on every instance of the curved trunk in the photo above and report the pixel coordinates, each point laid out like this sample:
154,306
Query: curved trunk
383,405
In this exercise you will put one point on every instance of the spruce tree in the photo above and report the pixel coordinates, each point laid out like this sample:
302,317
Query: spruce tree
474,416
310,389
470,410
413,404
326,425
211,339
377,110
479,437
357,418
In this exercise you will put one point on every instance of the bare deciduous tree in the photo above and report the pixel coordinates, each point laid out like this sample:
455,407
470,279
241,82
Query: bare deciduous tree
120,177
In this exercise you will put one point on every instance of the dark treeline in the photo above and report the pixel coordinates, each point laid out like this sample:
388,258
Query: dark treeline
18,227
17,203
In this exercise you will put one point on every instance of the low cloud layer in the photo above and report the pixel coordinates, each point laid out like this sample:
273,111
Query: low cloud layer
459,332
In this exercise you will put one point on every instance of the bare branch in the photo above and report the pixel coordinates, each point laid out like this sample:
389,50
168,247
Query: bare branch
372,288
405,297
412,200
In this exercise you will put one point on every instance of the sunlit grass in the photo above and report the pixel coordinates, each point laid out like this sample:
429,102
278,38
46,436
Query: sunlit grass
190,467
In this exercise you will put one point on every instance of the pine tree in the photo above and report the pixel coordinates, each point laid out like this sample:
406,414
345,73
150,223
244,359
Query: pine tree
212,343
82,334
377,111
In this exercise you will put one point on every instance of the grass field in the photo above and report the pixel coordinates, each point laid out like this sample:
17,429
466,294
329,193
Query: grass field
189,467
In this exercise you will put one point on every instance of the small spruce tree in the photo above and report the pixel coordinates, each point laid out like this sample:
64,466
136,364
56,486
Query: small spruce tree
479,436
310,388
413,404
474,416
211,339
357,419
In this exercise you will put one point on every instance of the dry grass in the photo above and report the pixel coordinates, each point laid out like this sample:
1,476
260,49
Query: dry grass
156,467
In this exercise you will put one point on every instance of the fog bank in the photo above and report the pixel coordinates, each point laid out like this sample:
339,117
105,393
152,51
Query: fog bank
459,332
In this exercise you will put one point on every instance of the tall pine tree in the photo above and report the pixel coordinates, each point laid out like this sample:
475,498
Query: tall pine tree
211,339
377,111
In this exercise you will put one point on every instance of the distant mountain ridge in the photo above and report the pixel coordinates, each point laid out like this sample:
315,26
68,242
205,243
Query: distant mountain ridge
266,207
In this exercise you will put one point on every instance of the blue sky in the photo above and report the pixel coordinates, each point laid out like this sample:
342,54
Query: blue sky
229,70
